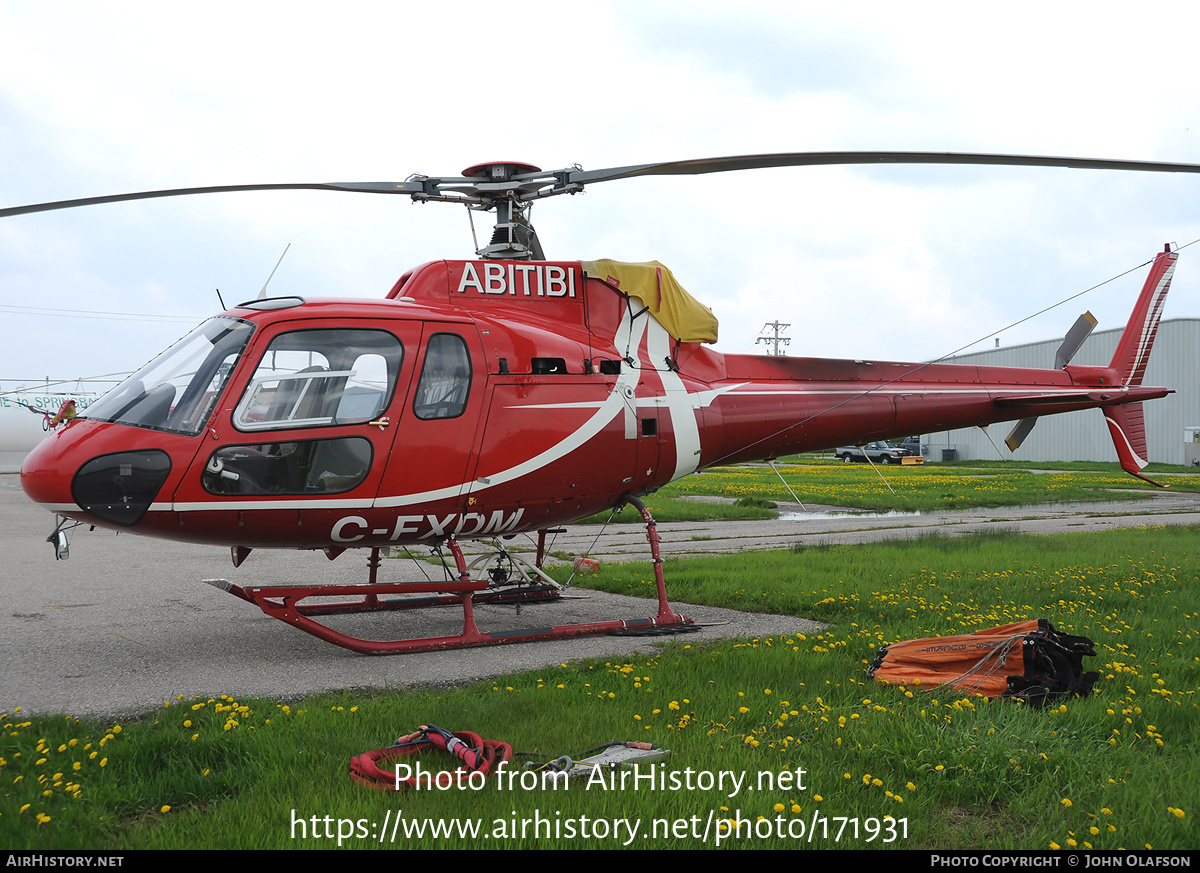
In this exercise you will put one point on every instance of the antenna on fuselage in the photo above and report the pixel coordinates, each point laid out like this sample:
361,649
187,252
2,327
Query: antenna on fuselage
263,293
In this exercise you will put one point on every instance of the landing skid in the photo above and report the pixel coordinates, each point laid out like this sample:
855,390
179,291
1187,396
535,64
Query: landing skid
475,583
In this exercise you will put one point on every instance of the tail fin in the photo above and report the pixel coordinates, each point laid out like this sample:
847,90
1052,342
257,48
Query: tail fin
1127,426
1133,351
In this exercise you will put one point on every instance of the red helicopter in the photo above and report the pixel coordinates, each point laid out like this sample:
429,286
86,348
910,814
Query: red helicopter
505,395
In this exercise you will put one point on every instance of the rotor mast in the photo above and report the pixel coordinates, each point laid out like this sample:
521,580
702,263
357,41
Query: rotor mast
508,187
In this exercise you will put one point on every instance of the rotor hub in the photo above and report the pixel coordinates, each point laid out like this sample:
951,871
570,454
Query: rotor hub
498,171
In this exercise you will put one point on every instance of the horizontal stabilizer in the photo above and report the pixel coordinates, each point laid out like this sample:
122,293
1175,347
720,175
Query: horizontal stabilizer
1127,426
1079,332
1018,434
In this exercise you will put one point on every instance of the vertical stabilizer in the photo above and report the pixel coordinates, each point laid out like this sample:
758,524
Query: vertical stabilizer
1133,351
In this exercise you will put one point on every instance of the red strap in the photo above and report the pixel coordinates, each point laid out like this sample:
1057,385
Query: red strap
366,768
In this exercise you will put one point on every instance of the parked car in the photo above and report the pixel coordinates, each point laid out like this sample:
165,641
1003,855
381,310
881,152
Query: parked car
879,452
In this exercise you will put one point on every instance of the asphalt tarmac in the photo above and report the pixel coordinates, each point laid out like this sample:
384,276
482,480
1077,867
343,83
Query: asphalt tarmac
126,623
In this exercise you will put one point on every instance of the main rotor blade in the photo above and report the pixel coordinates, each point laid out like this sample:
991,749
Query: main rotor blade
564,181
363,187
809,159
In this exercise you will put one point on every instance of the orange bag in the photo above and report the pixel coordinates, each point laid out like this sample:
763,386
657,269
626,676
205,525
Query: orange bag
1027,659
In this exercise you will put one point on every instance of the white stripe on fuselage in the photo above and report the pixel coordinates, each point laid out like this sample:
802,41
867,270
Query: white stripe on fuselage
680,404
999,392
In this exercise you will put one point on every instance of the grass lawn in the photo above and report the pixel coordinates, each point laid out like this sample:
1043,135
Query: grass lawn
916,488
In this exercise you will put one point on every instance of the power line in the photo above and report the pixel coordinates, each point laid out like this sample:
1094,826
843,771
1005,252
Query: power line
94,313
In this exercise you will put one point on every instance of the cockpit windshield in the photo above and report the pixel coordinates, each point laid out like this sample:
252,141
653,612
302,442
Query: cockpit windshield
178,390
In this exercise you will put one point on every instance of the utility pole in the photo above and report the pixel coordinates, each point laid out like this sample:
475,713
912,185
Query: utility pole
776,340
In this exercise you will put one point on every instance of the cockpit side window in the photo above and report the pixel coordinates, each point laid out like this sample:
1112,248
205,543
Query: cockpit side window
445,378
322,466
316,378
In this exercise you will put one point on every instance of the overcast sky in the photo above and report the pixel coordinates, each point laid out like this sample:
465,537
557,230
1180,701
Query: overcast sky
887,262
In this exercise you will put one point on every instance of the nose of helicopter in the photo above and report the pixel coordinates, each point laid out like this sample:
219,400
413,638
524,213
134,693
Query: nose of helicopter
46,475
70,473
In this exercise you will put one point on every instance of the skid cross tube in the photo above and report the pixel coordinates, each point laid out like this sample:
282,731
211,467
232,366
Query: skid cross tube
284,603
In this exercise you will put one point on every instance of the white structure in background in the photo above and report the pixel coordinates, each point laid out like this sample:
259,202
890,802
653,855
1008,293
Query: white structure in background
1082,436
1191,446
22,424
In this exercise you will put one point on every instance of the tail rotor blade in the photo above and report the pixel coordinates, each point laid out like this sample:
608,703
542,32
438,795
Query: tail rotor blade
1076,336
1014,439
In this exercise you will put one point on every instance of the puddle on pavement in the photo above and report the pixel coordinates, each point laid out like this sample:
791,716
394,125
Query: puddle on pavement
1041,509
848,514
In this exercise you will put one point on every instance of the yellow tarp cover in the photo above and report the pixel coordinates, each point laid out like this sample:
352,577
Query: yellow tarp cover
684,317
